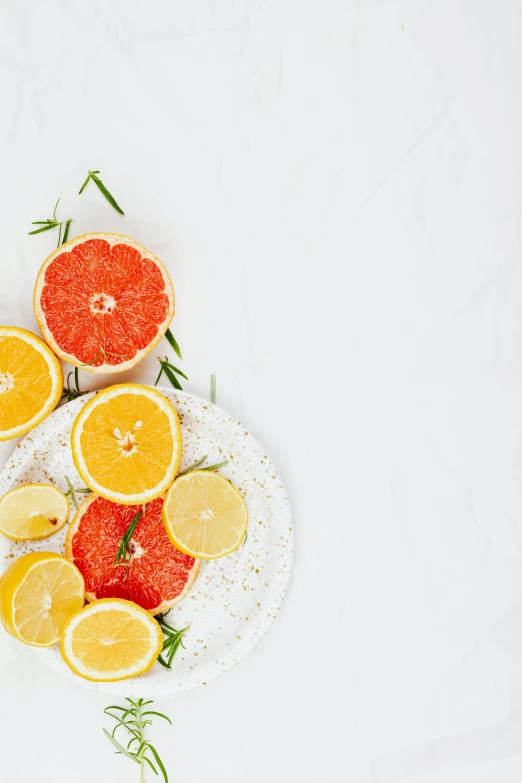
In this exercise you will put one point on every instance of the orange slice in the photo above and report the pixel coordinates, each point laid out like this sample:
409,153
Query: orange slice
126,443
31,381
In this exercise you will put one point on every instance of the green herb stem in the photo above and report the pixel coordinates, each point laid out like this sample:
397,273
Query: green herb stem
101,187
196,466
172,641
124,555
134,719
47,225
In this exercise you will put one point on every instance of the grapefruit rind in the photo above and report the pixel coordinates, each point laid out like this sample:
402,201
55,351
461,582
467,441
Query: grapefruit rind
170,472
55,371
90,597
107,604
112,239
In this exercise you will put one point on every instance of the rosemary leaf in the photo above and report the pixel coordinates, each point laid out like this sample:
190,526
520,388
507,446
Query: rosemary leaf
173,342
123,553
85,184
172,378
175,369
213,389
193,467
45,228
110,198
73,494
216,466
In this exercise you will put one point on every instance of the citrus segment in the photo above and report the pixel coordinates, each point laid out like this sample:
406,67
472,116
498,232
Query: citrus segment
33,511
103,301
111,640
38,593
31,381
204,515
157,576
126,443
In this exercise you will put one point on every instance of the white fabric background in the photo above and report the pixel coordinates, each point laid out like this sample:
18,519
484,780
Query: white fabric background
336,187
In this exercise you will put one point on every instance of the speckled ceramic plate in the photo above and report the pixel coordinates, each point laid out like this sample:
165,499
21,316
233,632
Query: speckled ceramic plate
234,599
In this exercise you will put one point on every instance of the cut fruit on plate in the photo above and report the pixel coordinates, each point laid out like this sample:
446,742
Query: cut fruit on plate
38,593
204,515
157,575
103,301
31,381
33,511
111,640
126,443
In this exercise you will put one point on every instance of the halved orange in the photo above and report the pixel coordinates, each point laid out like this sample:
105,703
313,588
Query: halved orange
157,575
126,443
111,640
103,301
31,381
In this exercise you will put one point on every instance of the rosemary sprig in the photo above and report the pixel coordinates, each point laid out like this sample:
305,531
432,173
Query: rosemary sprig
213,389
173,342
197,464
124,554
172,641
72,492
53,222
101,187
73,393
134,719
170,370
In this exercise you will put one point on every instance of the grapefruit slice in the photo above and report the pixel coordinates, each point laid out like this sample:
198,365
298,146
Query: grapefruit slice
111,640
157,576
31,381
126,443
103,301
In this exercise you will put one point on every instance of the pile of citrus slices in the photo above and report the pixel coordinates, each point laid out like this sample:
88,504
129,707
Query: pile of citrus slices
134,546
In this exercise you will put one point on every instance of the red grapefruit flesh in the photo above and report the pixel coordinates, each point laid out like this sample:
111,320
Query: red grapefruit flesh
103,302
157,576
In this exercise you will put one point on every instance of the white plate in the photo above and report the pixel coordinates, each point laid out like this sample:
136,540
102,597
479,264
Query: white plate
234,599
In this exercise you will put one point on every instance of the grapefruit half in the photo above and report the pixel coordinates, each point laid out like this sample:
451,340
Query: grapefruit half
103,301
157,576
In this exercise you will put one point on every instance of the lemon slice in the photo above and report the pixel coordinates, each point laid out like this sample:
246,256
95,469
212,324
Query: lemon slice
38,593
31,381
204,515
33,511
111,639
126,443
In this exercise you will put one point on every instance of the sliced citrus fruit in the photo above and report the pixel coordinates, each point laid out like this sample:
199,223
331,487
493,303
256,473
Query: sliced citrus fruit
38,593
111,640
31,381
126,443
103,301
156,576
33,511
204,515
